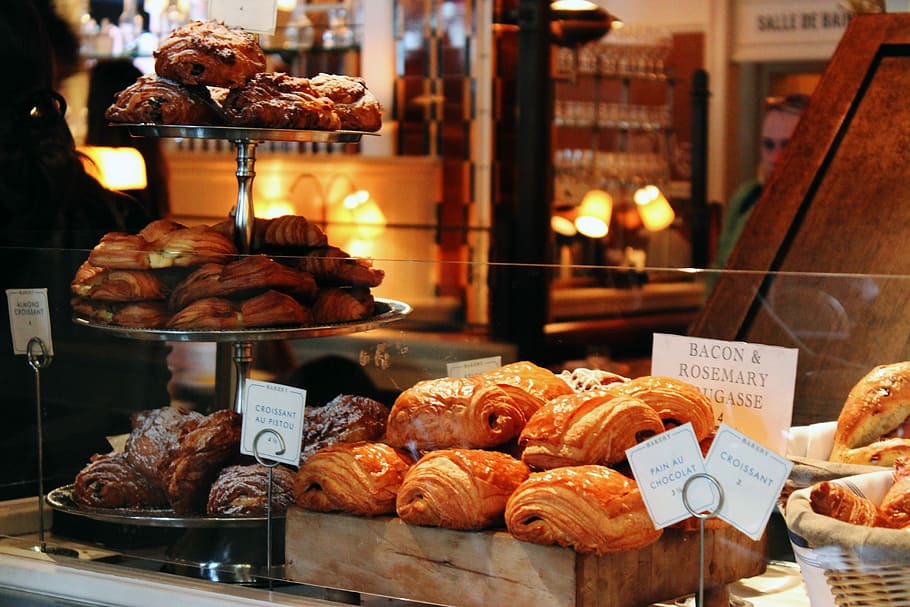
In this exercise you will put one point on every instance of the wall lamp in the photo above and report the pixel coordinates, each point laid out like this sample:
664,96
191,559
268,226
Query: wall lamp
577,22
116,168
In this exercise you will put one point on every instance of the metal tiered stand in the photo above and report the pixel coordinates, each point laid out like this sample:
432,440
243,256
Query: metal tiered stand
240,341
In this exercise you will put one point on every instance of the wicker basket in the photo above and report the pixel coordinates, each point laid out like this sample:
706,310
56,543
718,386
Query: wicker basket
863,567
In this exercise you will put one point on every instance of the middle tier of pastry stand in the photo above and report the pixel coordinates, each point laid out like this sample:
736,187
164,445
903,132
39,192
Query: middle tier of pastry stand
245,141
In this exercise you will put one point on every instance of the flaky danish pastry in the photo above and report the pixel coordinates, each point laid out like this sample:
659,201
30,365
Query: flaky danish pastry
592,509
895,506
591,427
582,379
359,478
454,412
278,100
155,438
459,488
357,108
873,427
244,491
676,402
209,53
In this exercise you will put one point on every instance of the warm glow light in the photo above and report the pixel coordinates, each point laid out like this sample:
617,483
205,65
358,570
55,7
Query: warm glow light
358,216
286,5
594,214
573,5
116,168
275,207
562,225
656,212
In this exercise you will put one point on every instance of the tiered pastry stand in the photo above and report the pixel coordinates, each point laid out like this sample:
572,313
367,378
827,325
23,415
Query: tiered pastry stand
241,343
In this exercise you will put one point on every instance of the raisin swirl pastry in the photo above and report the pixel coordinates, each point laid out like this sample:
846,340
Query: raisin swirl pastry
209,53
357,108
156,100
359,478
461,489
243,491
592,509
277,100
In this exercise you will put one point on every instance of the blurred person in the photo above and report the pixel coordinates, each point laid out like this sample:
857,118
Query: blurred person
53,214
782,114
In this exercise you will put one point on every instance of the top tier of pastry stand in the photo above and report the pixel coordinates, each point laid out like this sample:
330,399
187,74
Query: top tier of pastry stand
245,141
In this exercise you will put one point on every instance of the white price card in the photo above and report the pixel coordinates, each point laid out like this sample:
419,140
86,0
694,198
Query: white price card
661,466
251,15
751,477
467,368
272,421
750,386
29,317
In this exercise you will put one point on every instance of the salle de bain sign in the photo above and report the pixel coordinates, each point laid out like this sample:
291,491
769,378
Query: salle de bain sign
776,30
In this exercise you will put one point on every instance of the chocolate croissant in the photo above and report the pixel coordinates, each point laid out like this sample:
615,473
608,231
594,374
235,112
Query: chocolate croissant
155,438
360,478
592,427
156,100
459,489
676,402
872,426
531,386
454,412
592,509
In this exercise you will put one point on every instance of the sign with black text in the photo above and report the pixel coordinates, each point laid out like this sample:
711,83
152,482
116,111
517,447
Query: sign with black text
750,386
272,421
29,316
251,15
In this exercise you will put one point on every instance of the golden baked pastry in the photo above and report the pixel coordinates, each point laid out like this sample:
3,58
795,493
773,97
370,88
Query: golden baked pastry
199,457
592,427
155,438
156,100
872,426
243,491
240,279
344,419
118,285
277,100
135,315
359,478
592,509
676,402
454,412
531,386
162,244
459,488
335,267
270,309
835,500
109,481
209,53
895,506
357,108
334,304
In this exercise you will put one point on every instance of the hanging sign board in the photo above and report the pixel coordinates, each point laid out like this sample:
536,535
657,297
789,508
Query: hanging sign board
251,15
774,30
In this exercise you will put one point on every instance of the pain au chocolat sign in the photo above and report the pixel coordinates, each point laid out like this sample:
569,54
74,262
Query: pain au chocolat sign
773,30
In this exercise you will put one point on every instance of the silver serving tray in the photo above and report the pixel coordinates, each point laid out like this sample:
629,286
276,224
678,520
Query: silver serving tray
396,311
61,499
236,133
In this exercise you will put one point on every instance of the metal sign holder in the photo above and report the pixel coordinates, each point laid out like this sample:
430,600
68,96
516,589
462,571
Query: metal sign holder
702,516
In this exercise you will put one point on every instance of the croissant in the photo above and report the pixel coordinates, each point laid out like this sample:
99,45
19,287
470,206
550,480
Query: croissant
342,305
454,412
459,488
676,402
592,509
241,278
895,506
109,481
333,266
359,478
582,379
872,426
344,419
592,427
835,500
162,244
117,285
155,438
136,314
270,309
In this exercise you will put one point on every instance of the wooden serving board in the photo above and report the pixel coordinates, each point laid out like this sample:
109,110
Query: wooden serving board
491,568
